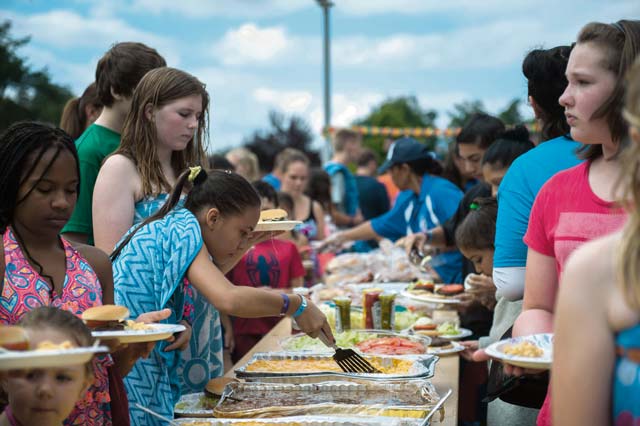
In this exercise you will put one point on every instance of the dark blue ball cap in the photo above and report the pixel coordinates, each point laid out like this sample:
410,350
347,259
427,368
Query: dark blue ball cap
404,150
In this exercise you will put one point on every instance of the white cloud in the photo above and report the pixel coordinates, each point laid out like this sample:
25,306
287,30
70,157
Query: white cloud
199,9
251,44
65,29
290,102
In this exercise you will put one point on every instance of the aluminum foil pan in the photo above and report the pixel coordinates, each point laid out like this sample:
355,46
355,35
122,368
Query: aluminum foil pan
302,421
413,399
422,367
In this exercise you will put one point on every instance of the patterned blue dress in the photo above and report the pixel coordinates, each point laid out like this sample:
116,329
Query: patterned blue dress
626,382
149,276
203,359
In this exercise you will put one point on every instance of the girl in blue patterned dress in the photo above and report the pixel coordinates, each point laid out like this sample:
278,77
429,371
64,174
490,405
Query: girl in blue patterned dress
163,133
596,365
176,245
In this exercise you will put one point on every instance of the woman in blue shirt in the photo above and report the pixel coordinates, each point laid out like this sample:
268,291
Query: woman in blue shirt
426,201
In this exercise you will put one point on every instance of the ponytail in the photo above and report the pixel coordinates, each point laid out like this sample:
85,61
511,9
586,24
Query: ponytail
71,120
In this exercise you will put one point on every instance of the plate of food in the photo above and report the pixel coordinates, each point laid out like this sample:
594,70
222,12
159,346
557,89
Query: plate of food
444,347
45,355
532,351
275,220
109,322
427,291
447,330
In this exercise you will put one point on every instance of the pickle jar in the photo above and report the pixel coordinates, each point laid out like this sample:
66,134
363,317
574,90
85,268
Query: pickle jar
387,310
343,313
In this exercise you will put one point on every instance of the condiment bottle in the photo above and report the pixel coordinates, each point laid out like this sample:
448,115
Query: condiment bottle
369,300
342,313
387,303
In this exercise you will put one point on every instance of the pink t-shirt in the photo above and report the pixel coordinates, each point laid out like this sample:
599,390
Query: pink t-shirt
565,215
272,264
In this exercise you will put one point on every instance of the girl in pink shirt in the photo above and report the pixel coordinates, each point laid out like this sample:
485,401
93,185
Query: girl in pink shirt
576,205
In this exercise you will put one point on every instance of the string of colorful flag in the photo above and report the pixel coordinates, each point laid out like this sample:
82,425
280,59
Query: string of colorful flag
416,132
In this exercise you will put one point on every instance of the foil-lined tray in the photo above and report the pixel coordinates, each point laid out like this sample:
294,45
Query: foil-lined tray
422,367
412,399
302,421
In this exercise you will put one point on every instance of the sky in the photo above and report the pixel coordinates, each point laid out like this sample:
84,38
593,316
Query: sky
259,55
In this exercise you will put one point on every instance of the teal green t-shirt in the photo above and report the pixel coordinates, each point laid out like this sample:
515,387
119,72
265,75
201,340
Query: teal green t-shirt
94,145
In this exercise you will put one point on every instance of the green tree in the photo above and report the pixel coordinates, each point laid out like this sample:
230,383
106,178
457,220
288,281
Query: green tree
463,110
403,111
292,132
511,114
26,94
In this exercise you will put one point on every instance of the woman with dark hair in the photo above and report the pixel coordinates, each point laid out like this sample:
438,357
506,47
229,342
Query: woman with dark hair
545,73
426,201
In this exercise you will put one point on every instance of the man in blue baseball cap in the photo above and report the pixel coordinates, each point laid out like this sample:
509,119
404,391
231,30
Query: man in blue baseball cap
426,201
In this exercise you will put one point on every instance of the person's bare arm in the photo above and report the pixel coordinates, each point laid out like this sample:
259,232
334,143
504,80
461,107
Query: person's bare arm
114,200
583,335
296,282
541,288
361,232
101,265
318,213
249,302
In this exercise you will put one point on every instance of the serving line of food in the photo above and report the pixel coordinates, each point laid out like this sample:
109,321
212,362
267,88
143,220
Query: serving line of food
393,362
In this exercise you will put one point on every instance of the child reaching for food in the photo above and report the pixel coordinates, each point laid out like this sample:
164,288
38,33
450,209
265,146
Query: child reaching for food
46,396
274,265
198,244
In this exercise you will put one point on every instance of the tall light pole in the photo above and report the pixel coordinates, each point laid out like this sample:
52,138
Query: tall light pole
325,5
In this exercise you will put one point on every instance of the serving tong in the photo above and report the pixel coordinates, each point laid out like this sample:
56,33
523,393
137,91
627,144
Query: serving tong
349,360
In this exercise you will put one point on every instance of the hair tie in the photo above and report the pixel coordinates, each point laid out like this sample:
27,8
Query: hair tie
197,175
474,206
618,26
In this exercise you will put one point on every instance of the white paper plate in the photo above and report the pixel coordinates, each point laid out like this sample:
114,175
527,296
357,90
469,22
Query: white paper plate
157,332
464,332
427,298
543,341
283,225
16,360
454,349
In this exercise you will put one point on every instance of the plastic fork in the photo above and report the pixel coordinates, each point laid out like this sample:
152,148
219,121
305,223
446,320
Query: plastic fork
348,359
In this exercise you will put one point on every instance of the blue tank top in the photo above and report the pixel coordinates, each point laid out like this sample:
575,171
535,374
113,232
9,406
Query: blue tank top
350,186
626,381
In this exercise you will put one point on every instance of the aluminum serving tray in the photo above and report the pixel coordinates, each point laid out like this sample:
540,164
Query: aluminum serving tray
423,367
372,334
302,421
412,399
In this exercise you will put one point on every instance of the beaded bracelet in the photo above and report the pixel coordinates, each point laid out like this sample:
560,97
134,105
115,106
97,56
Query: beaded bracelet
285,306
301,308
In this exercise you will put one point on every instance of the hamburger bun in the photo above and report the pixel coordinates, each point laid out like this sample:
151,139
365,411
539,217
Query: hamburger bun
216,386
431,333
13,338
273,215
106,317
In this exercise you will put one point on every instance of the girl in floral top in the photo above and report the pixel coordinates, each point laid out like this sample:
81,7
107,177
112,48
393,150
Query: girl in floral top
40,181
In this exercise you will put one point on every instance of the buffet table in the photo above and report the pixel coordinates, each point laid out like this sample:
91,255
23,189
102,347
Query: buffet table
446,376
